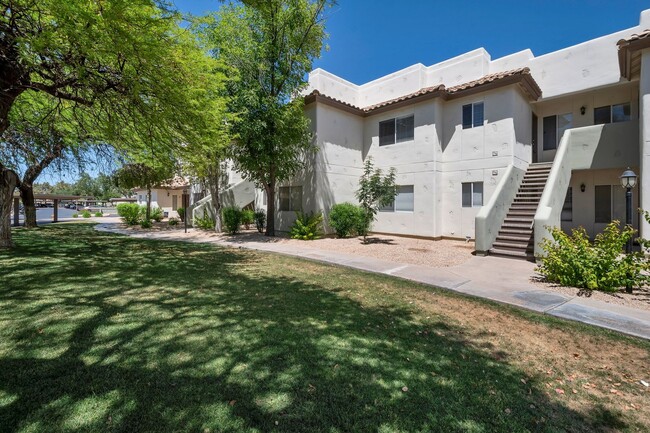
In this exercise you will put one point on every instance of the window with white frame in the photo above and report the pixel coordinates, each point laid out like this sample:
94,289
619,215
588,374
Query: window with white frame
553,129
472,194
290,198
612,113
567,208
397,130
473,115
404,200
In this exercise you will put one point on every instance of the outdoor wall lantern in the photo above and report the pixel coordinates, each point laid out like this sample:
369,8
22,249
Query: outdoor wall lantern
582,187
583,110
628,181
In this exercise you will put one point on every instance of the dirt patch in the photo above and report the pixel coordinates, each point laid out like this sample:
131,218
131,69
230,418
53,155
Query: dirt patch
639,298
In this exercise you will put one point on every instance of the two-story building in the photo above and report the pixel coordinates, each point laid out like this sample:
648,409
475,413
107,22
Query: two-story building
488,149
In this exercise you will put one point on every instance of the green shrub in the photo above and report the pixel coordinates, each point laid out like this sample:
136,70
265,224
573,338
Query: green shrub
173,221
260,220
181,213
146,224
204,223
75,215
98,214
157,214
247,217
86,214
307,226
232,218
574,261
129,212
345,219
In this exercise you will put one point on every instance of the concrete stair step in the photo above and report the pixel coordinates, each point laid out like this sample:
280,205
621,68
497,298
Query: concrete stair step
515,232
514,238
516,225
516,246
517,220
511,254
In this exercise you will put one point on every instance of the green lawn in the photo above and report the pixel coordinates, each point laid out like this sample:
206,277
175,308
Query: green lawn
103,333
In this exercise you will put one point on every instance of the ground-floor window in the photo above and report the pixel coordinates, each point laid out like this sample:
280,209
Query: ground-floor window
404,200
472,194
567,209
290,198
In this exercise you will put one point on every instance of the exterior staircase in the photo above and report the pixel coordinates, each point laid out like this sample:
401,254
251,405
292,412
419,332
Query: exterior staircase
516,237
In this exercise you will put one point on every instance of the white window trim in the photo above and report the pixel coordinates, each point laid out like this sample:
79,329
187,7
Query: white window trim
472,104
395,119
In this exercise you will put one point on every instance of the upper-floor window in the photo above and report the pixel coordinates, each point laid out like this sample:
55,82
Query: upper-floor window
553,129
473,115
473,194
290,198
612,113
404,200
396,130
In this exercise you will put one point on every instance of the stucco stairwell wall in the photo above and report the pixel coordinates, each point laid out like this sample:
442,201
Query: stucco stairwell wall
612,145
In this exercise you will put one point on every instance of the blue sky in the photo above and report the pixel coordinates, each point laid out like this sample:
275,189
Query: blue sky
372,38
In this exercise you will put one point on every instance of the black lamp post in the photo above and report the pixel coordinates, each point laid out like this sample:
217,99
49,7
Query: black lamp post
628,181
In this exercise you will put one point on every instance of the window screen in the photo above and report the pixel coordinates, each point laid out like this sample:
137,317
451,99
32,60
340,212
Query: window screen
404,199
285,198
405,128
477,194
602,115
603,203
467,116
387,132
296,198
478,114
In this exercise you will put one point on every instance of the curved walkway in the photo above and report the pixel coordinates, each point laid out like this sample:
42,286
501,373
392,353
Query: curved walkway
497,279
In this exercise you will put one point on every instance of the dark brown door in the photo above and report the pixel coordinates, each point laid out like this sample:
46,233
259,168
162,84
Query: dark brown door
533,139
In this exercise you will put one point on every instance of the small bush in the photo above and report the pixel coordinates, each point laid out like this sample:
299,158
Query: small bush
157,214
307,226
181,213
260,220
98,214
129,212
204,223
232,218
173,221
574,261
345,219
75,215
86,214
146,224
247,217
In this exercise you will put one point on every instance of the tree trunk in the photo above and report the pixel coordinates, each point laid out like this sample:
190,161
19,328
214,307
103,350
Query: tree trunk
8,182
270,209
27,197
214,183
148,211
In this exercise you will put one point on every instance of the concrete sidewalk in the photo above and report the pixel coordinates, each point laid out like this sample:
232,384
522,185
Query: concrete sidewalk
497,279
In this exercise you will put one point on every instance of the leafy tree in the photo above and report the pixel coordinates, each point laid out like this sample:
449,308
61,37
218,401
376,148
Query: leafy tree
375,191
39,135
139,175
120,66
271,44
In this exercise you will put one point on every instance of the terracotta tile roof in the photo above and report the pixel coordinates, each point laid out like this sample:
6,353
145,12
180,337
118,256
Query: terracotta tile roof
629,49
521,76
421,92
634,37
490,78
177,182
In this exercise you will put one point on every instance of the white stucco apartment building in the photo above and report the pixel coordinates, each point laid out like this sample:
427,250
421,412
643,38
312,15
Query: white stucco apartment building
493,150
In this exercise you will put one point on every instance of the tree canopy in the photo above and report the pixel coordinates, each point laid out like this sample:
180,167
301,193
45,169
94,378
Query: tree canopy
272,45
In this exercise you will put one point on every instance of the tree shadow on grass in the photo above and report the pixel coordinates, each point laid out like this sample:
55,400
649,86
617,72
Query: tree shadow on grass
107,333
